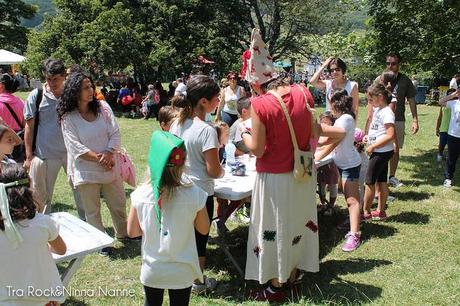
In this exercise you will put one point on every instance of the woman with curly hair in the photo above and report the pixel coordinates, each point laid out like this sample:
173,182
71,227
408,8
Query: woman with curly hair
92,137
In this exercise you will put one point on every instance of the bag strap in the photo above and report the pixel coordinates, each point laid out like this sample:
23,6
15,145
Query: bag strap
10,109
38,101
288,118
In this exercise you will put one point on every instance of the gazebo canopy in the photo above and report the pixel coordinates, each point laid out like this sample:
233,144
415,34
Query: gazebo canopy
10,58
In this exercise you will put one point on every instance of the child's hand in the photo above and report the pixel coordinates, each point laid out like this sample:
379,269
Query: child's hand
365,139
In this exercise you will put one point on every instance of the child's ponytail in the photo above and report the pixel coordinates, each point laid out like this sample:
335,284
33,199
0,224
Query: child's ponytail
21,202
379,89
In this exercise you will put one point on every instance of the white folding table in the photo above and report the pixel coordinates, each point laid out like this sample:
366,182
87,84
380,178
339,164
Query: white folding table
81,239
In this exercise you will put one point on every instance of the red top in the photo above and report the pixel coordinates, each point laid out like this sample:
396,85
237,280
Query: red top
279,151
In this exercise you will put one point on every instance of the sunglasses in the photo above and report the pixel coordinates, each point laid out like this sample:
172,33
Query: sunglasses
392,63
232,78
335,69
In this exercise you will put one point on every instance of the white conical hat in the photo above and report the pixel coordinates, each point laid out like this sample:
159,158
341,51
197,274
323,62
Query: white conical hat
260,64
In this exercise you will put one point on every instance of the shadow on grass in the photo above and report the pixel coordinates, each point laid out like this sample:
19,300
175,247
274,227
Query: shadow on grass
327,286
412,195
72,301
126,249
410,217
425,169
60,207
236,289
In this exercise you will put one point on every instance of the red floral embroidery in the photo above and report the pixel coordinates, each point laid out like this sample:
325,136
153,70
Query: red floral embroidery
311,225
177,157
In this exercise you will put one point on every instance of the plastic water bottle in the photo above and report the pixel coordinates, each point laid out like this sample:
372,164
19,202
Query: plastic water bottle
230,150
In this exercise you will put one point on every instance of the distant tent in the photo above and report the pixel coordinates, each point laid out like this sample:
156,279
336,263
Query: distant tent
10,58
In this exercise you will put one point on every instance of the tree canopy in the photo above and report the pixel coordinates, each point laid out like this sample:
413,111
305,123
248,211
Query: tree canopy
426,33
161,38
13,36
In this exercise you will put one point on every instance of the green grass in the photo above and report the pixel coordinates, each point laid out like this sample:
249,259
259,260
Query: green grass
411,259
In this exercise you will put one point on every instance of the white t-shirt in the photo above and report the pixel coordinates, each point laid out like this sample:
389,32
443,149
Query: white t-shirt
169,256
453,83
349,85
181,89
345,155
454,124
377,129
199,137
31,264
230,99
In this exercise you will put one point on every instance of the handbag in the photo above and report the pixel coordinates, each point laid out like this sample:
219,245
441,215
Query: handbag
126,167
303,160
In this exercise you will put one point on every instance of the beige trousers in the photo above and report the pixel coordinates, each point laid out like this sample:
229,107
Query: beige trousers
114,195
43,173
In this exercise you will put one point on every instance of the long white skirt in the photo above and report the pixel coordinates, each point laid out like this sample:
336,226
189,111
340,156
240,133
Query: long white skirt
283,233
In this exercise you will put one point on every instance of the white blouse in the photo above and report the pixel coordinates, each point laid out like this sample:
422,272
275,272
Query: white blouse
82,136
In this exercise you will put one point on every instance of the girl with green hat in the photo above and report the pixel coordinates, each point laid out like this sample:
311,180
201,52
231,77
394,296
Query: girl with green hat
165,211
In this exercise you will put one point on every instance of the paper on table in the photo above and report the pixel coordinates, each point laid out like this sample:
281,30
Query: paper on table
246,124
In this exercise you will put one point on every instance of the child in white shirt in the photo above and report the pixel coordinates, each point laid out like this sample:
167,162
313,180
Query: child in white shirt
27,239
453,135
380,148
165,211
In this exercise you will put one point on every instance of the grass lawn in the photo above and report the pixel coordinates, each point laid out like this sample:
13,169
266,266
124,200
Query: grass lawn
411,259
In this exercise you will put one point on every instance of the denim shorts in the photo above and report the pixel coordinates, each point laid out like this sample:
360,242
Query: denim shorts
350,174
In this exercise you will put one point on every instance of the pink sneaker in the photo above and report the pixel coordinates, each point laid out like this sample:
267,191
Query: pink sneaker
378,215
352,242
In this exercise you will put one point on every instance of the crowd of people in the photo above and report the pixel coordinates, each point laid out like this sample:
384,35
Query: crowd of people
68,124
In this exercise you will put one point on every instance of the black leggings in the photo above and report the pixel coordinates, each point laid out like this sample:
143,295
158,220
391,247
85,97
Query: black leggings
202,240
453,152
177,297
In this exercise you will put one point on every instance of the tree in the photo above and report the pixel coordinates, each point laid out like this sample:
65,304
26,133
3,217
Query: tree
12,35
426,33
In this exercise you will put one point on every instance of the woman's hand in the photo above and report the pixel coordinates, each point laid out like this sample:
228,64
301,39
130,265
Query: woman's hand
370,149
106,159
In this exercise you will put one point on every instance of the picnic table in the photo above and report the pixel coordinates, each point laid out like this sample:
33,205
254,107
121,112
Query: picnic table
81,239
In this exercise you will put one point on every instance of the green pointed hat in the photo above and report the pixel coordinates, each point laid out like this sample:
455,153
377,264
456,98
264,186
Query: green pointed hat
166,150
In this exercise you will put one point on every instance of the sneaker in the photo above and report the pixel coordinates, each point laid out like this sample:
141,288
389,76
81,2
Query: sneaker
266,294
439,158
447,183
107,251
394,182
209,284
378,215
352,242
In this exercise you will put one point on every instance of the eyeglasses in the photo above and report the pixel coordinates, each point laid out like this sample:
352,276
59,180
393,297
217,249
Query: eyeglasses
392,63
